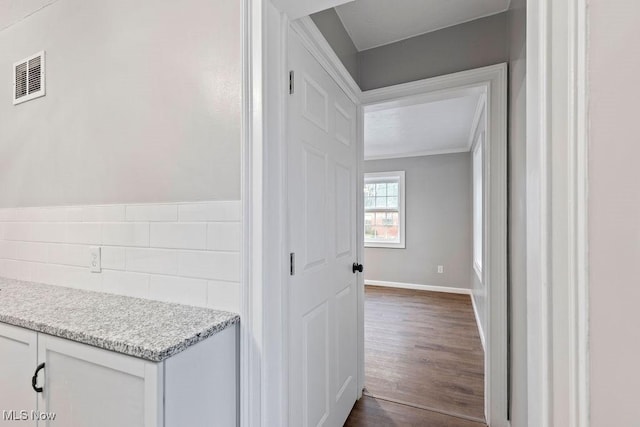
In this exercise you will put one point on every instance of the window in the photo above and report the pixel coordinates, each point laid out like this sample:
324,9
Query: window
477,204
384,210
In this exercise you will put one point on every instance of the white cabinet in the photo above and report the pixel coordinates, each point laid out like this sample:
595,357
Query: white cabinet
18,360
86,386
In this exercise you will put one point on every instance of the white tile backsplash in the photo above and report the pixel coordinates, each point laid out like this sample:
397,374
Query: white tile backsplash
209,211
177,252
210,265
178,235
125,283
125,234
152,213
178,289
223,236
151,260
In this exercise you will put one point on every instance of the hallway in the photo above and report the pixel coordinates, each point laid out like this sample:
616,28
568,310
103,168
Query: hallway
422,349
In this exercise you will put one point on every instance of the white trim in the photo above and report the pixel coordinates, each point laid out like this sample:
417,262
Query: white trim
537,223
317,45
493,81
482,104
400,175
476,313
435,88
418,154
251,326
557,173
418,287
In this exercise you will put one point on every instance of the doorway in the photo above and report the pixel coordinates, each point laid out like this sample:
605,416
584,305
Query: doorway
489,258
491,81
423,345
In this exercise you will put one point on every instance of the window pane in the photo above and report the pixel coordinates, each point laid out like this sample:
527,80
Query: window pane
368,218
392,202
369,190
382,227
392,189
369,202
381,189
381,202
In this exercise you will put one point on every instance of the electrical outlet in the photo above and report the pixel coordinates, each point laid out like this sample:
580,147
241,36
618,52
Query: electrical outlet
440,269
95,261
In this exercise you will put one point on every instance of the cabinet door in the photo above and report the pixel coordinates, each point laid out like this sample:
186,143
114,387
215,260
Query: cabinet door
88,387
18,361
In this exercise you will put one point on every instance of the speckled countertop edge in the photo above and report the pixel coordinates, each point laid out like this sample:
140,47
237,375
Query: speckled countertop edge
147,329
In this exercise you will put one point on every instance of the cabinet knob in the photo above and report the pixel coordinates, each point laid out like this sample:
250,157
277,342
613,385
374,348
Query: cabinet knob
34,379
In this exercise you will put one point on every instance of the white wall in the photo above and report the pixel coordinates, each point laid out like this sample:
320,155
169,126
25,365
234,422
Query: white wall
438,223
142,105
614,211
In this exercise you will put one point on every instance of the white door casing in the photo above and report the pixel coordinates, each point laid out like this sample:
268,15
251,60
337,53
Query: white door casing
322,173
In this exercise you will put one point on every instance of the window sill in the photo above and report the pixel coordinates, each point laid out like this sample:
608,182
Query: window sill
385,245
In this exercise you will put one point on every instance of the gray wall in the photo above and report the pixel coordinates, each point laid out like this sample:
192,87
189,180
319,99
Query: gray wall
517,211
438,223
143,102
614,212
330,25
462,47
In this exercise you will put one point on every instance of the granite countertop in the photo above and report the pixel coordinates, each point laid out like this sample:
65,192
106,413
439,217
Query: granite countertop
147,329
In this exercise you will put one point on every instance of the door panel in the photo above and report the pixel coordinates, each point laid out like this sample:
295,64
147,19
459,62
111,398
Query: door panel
322,207
86,386
18,361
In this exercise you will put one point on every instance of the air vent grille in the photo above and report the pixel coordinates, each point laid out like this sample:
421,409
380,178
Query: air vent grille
29,78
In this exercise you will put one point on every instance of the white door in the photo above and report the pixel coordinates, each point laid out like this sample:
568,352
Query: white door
322,169
18,362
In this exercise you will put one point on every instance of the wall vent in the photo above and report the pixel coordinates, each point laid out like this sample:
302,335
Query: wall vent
28,78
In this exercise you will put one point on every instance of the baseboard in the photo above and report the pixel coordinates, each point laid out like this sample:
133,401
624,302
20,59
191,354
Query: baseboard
447,289
480,331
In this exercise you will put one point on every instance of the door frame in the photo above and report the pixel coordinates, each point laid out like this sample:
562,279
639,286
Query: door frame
492,80
557,214
263,271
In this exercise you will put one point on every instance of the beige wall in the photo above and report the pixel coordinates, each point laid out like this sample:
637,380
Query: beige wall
614,211
143,102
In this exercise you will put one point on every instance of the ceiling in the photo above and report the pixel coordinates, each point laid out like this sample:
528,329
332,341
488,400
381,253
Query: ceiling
437,127
372,23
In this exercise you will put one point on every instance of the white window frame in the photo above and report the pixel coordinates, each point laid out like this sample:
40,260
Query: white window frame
478,205
386,177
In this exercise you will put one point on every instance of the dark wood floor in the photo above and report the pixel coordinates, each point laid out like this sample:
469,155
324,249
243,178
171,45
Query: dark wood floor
421,348
371,412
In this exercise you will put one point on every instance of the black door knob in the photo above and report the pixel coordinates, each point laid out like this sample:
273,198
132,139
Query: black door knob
357,268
